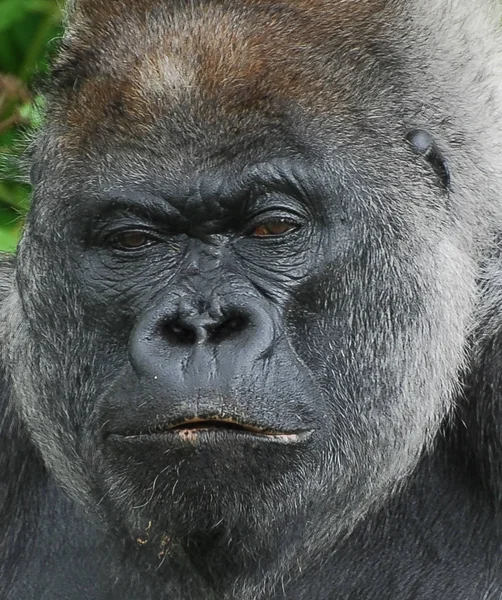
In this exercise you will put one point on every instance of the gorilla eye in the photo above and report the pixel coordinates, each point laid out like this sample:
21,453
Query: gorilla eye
273,228
131,240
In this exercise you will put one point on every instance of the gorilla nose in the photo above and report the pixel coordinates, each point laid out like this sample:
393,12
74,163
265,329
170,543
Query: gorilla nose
189,346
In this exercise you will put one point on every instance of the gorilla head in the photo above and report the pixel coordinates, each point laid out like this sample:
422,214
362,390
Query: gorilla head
251,270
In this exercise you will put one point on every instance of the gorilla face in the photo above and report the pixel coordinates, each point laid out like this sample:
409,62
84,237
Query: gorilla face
247,355
236,346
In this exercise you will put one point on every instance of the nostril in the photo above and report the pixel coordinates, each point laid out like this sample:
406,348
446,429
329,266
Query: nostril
177,333
192,329
231,326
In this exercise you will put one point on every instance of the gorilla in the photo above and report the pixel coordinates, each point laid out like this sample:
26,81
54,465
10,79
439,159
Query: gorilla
251,341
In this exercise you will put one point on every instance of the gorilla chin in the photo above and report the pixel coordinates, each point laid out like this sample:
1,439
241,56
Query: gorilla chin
203,488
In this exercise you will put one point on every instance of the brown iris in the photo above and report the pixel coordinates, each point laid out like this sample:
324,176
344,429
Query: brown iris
273,228
131,240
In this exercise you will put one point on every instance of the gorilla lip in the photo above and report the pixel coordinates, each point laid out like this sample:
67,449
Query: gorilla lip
189,428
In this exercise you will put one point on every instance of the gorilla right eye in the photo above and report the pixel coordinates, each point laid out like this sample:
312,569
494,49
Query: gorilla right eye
274,228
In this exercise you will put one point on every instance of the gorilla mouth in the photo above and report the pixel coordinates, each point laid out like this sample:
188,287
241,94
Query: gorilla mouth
190,429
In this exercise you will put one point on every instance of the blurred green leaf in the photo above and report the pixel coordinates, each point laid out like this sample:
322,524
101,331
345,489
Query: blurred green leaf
26,28
8,239
13,11
14,196
9,229
32,112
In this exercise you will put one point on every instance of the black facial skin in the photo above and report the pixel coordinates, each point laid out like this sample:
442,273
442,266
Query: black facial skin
249,342
199,339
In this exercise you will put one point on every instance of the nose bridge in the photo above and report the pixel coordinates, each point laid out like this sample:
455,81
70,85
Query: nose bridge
203,261
198,289
206,288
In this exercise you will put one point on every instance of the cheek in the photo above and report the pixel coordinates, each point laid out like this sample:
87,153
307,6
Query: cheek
112,301
385,337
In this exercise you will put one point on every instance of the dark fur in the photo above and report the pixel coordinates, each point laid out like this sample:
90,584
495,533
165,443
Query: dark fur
376,325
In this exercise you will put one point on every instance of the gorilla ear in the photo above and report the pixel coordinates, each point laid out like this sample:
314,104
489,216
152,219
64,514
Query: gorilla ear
479,428
423,144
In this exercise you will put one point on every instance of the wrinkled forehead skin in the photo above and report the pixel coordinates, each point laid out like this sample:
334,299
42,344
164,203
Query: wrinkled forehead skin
214,68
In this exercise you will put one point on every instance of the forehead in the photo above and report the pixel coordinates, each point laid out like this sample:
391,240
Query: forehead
209,72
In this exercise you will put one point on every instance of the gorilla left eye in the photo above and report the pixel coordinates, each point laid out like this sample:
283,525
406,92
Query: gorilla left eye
131,240
273,228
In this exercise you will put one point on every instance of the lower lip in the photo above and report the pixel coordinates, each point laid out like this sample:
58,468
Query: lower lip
212,435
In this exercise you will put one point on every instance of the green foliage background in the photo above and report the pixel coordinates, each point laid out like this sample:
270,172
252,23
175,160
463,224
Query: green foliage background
27,28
